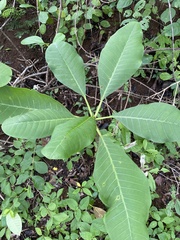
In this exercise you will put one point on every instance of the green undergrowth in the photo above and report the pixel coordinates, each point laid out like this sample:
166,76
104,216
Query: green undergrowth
47,208
50,210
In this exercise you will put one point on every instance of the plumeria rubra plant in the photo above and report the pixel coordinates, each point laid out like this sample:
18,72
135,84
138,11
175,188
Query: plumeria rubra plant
122,186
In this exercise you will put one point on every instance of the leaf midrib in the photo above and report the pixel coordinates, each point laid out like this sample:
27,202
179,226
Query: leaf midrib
146,119
23,107
111,77
70,70
68,133
40,121
117,180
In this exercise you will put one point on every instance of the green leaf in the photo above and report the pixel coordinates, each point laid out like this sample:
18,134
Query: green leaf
43,17
105,24
120,58
6,188
172,29
25,5
14,223
33,40
5,74
22,178
40,167
42,28
86,217
1,171
3,4
158,122
96,3
36,124
165,76
84,203
139,6
67,66
72,204
70,137
168,220
52,9
176,4
2,232
26,162
177,206
165,16
124,189
59,37
38,231
15,101
52,206
39,182
60,217
86,235
123,3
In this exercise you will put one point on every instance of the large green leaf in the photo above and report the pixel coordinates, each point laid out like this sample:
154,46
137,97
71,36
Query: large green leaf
158,122
70,137
5,74
120,58
124,189
15,101
67,66
35,124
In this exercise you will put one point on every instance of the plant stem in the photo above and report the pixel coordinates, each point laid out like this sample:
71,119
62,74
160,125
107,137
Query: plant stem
98,108
59,16
88,106
102,118
98,131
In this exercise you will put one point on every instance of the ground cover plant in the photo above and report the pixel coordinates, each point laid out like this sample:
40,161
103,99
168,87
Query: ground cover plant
122,187
65,218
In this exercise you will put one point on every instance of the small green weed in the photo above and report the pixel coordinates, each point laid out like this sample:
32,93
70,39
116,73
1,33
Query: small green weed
165,223
39,204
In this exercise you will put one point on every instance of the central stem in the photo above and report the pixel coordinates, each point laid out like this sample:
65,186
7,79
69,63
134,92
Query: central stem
88,106
98,108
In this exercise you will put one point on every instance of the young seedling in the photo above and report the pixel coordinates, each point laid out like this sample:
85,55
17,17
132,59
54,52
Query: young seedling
122,186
